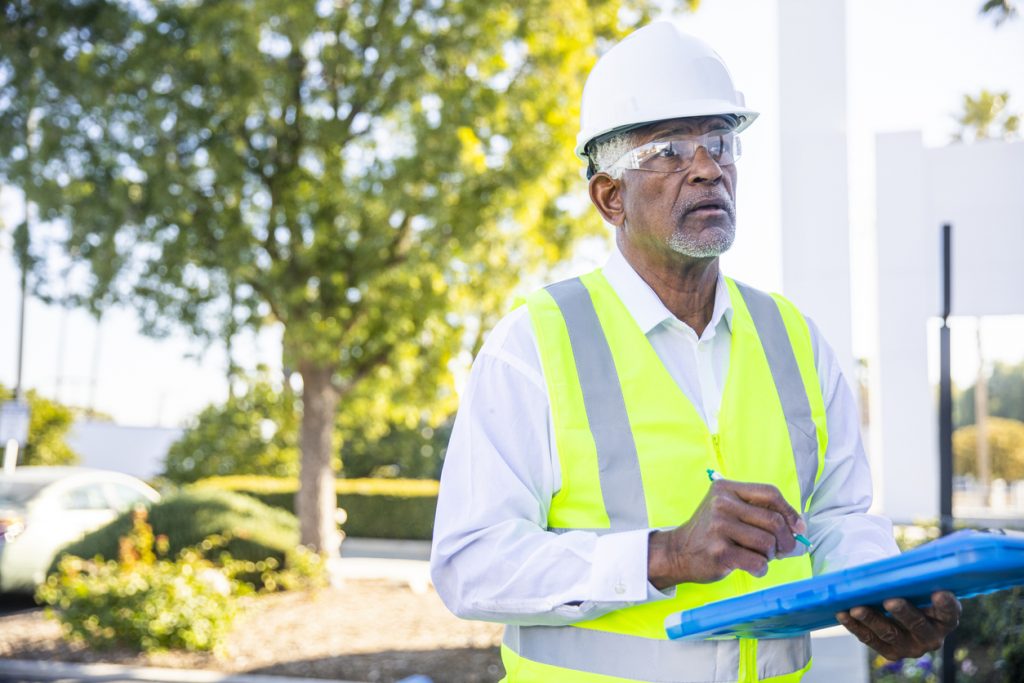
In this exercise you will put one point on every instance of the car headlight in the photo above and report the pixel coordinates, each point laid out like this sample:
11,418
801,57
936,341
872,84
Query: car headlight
11,527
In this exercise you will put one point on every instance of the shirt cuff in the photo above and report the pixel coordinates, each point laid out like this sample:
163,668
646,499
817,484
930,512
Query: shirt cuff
619,569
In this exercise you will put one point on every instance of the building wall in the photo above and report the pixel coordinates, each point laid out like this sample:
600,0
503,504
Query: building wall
138,451
978,189
813,168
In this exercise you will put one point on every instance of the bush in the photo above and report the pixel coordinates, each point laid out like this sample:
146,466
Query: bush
143,600
415,452
256,431
1005,445
49,423
377,508
252,531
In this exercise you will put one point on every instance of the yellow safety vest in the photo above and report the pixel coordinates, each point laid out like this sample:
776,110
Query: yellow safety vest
634,454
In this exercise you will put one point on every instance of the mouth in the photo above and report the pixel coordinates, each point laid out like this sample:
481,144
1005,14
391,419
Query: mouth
709,206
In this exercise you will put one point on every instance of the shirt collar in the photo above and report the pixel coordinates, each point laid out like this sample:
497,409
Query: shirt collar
645,306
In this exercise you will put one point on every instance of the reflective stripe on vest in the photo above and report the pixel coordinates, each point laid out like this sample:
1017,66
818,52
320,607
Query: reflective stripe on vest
792,393
616,654
606,410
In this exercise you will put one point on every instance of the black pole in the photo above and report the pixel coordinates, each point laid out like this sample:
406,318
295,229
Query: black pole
946,392
946,430
18,389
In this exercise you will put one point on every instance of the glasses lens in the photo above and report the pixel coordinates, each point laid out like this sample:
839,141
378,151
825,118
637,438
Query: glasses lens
671,156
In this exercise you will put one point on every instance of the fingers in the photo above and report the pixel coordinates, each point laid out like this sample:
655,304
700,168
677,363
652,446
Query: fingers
765,496
909,632
735,556
915,623
863,633
767,520
757,529
945,610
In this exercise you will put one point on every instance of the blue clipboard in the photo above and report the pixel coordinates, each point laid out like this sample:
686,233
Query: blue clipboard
966,563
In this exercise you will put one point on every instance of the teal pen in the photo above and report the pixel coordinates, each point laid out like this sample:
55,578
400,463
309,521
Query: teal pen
715,476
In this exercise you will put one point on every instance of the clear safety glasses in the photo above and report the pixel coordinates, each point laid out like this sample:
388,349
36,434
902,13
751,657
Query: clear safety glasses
675,155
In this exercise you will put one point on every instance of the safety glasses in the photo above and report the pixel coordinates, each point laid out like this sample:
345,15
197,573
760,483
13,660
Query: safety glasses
676,155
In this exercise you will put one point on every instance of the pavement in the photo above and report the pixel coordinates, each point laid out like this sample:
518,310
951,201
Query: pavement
838,656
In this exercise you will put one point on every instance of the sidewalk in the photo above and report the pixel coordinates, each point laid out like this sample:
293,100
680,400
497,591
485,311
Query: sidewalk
838,657
403,562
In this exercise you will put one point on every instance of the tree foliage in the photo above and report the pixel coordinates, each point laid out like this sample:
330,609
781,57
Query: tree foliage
48,426
255,432
1005,395
999,10
373,175
988,117
1005,445
415,452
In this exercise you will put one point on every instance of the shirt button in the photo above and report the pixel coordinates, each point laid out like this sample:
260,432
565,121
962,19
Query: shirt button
620,588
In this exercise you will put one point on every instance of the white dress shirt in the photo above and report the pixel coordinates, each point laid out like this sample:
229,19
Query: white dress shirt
492,557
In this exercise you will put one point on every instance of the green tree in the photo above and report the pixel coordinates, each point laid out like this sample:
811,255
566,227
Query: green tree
1000,10
1005,395
49,89
1005,445
254,432
48,425
415,452
374,176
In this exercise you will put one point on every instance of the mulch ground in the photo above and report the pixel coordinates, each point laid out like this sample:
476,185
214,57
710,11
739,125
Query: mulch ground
362,631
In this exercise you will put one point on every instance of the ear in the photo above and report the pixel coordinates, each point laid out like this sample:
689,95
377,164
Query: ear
606,194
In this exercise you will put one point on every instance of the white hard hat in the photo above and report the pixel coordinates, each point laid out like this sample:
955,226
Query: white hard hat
656,73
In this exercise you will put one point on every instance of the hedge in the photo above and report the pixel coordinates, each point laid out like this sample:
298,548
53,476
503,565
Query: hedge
377,508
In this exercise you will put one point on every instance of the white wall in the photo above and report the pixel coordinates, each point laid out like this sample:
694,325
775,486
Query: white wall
978,188
138,451
813,167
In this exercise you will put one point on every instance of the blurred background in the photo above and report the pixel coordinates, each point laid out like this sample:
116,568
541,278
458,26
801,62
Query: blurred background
254,246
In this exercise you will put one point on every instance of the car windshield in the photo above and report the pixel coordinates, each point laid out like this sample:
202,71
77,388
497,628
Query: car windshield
17,493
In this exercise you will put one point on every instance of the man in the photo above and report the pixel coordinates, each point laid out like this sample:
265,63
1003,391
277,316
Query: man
575,503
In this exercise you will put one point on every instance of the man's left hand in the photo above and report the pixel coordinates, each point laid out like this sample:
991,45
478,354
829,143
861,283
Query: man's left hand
909,632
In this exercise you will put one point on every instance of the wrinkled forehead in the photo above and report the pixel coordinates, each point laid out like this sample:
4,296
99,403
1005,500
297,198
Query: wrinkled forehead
693,125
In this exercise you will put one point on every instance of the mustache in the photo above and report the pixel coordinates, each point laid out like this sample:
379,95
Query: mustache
720,198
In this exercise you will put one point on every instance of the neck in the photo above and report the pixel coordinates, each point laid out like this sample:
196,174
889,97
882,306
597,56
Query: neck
684,284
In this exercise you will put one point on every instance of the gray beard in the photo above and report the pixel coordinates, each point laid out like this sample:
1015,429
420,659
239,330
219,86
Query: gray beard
703,246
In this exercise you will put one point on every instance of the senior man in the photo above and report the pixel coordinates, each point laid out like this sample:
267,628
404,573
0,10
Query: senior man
575,505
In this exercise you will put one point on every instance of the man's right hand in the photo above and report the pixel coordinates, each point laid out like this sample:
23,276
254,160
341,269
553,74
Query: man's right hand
736,526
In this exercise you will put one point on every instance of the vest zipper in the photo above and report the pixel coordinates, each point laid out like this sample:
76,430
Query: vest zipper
748,647
719,460
748,661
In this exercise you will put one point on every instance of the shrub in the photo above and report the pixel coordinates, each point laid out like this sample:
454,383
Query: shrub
377,508
49,423
1005,445
252,531
143,600
256,431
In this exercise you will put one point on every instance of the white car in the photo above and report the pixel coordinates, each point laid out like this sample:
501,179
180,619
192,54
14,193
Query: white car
42,509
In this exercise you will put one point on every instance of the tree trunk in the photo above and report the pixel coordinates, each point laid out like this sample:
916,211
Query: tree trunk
316,501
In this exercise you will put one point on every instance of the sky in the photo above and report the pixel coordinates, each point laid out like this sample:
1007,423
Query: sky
909,63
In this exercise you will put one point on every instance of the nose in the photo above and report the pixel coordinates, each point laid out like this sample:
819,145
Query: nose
704,169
